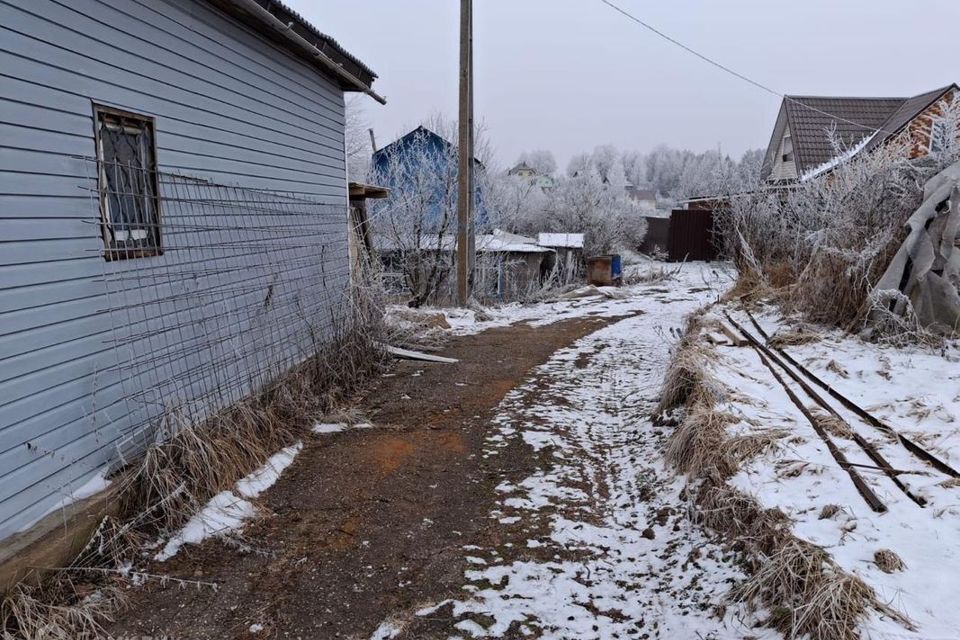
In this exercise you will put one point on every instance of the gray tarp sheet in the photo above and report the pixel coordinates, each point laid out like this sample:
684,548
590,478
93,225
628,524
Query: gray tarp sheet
926,268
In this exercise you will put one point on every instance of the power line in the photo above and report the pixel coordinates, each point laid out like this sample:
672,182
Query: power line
732,72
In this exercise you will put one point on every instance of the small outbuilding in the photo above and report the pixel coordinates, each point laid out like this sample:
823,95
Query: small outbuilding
567,258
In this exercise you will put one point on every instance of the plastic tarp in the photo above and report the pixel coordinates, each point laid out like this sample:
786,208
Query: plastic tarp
926,268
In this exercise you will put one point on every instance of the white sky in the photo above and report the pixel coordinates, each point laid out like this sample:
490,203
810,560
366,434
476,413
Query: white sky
567,75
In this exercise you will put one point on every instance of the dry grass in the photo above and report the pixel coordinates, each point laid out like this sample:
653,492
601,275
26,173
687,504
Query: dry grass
793,337
697,444
808,593
63,610
687,381
831,424
952,483
828,511
190,463
888,561
745,447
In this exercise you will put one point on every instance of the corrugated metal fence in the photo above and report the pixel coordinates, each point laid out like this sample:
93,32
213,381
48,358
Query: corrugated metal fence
692,235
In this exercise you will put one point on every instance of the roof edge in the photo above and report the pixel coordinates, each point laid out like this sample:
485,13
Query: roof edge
276,21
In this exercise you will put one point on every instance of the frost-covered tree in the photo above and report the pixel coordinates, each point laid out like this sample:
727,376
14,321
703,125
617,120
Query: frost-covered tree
606,162
605,215
580,163
357,140
415,225
634,167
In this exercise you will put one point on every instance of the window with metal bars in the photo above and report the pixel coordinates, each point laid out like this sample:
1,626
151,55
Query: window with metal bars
129,197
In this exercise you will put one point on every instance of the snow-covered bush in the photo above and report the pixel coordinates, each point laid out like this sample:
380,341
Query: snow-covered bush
821,245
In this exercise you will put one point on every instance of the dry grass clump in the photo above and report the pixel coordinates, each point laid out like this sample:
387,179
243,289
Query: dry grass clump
651,275
808,593
794,337
828,511
687,380
888,561
739,516
952,483
58,611
697,444
742,448
831,424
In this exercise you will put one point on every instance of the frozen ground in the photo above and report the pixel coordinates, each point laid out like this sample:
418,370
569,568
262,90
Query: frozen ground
916,392
694,278
598,544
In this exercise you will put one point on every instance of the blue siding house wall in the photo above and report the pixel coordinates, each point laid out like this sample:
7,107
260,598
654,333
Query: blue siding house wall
395,163
232,105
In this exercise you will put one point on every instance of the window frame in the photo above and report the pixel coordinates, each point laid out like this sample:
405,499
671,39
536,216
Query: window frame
111,250
935,124
786,156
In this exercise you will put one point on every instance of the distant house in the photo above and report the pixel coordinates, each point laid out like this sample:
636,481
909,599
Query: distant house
173,214
522,170
800,146
646,199
424,157
525,171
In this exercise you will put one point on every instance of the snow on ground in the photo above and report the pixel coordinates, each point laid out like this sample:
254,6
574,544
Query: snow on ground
228,510
608,551
916,392
601,302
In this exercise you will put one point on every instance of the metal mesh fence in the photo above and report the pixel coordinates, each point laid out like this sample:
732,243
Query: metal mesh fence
236,286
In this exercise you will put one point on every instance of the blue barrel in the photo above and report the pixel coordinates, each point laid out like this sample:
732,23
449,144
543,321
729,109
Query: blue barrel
616,268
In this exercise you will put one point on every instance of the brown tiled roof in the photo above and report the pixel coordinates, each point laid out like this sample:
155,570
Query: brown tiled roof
910,109
810,118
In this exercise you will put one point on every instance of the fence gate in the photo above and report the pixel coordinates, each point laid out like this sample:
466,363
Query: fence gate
691,235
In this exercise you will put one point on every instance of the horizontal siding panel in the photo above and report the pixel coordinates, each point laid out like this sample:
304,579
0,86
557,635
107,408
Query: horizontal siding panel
34,122
21,511
229,107
59,377
26,275
83,206
110,80
222,42
63,290
70,28
28,251
157,104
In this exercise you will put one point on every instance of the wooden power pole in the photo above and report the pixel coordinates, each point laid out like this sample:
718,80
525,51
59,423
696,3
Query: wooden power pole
465,191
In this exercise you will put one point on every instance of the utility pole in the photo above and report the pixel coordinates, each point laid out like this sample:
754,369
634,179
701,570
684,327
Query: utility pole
465,191
373,140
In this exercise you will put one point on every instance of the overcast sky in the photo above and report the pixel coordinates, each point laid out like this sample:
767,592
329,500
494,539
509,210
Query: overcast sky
567,75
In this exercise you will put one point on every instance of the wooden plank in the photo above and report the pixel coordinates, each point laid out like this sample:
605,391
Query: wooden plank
408,354
734,336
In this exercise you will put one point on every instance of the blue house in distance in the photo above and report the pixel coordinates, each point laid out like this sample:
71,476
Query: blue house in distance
422,166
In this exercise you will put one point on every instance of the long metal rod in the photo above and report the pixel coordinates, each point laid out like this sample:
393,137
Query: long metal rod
862,413
867,447
465,161
871,498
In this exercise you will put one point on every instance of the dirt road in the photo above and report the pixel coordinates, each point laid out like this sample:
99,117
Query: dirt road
366,522
519,493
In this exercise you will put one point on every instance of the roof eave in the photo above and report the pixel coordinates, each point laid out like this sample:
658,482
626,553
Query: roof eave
281,24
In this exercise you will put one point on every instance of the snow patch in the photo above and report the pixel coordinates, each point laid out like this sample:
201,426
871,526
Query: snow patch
227,511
